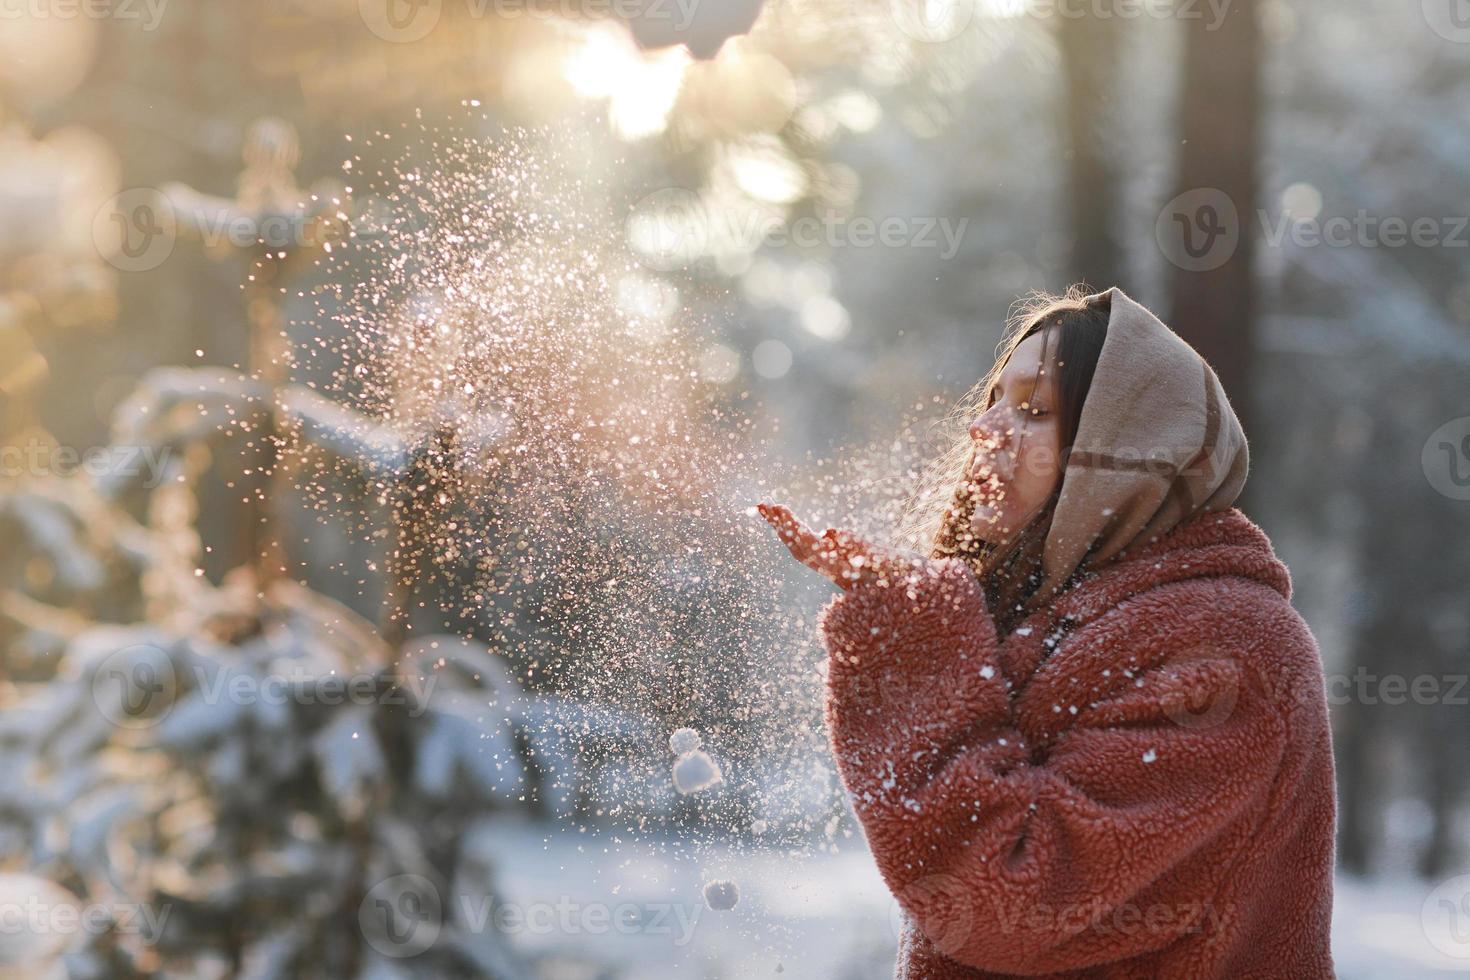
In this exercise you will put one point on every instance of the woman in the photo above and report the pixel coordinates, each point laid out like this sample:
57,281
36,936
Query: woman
1086,737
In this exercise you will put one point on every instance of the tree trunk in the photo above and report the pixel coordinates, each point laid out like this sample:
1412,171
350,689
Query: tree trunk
1089,51
1213,304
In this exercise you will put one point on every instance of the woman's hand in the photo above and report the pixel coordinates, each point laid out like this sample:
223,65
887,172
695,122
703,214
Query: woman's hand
842,556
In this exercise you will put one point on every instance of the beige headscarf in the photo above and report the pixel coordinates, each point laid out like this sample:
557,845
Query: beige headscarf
1157,443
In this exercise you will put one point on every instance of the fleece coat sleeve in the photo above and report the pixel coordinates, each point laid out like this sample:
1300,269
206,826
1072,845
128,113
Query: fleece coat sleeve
1033,853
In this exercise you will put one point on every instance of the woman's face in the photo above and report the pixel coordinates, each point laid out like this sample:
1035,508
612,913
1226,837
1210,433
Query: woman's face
1017,445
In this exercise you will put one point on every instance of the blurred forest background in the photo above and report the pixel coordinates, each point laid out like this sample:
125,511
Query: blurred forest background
402,369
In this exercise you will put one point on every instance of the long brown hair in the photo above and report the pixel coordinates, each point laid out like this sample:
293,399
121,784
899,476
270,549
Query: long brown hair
937,518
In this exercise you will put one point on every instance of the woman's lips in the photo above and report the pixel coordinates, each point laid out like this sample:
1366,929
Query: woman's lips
998,466
987,475
986,494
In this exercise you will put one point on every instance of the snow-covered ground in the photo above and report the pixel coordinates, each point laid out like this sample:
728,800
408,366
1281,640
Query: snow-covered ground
604,906
1385,928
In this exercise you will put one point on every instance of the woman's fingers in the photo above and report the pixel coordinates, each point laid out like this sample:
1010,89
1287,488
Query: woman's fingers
791,531
854,556
844,557
785,523
806,547
863,559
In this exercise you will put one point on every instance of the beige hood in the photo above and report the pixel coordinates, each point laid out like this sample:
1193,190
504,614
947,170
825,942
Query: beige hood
1157,443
